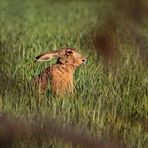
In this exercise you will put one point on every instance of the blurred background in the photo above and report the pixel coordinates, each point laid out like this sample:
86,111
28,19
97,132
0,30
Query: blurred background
110,107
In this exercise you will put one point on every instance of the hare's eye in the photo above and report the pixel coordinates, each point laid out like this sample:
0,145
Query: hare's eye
69,52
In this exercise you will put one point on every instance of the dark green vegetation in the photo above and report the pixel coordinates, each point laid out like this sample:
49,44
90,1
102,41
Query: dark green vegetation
111,100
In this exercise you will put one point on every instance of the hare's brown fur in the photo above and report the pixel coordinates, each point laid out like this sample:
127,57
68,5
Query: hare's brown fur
60,74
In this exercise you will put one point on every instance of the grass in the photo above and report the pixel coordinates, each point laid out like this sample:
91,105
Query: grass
110,103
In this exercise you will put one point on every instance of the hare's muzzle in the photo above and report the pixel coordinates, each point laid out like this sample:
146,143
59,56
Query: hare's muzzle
84,60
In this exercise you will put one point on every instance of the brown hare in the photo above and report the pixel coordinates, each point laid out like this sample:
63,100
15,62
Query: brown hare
60,74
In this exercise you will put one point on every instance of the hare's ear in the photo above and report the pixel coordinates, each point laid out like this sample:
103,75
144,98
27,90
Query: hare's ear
46,56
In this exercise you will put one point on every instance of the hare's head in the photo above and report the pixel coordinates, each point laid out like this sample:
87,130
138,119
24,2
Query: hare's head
67,56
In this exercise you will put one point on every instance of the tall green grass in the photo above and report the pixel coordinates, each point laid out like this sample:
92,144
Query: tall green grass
110,102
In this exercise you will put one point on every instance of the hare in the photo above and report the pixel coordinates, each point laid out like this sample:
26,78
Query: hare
60,74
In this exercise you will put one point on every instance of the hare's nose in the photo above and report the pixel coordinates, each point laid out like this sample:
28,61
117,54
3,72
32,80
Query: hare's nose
84,61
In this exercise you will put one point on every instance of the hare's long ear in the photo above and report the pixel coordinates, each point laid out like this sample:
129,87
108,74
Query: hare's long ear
46,56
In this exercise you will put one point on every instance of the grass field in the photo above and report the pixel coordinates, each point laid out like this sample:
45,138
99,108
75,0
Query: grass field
111,101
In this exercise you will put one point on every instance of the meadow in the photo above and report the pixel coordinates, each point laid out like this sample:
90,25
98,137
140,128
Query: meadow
111,100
